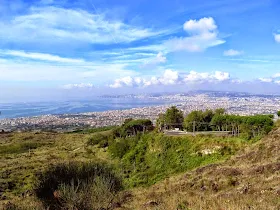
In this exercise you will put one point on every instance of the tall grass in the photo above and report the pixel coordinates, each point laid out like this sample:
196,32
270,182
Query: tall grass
76,185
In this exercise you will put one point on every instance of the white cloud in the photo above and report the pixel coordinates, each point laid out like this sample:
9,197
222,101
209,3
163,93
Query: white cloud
265,79
171,77
159,58
204,25
81,85
126,81
53,24
232,52
221,76
277,37
194,76
40,56
276,75
203,34
273,79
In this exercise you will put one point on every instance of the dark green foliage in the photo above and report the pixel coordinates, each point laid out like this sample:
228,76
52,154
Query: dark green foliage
247,126
119,148
173,118
133,127
76,184
198,120
160,124
278,113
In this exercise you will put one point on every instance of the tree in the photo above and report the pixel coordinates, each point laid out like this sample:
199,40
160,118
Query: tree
219,121
133,127
278,113
194,119
220,111
173,118
160,122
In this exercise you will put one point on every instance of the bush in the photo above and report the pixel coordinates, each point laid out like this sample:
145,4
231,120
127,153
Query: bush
119,148
96,139
77,185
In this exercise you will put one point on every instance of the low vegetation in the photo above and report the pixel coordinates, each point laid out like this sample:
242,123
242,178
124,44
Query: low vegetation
248,180
113,168
77,185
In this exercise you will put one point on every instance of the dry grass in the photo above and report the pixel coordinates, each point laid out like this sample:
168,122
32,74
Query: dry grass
17,169
249,180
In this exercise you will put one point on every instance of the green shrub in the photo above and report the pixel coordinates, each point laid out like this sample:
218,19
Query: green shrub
118,148
77,185
95,139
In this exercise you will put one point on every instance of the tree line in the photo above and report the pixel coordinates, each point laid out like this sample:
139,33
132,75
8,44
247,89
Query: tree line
215,120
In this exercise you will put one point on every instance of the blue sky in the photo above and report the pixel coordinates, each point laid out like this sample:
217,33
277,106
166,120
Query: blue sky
61,48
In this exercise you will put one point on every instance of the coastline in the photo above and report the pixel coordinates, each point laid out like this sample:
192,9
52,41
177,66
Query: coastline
240,105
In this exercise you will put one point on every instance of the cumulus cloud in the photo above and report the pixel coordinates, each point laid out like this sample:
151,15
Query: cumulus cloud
125,81
203,25
205,76
232,52
277,38
171,77
203,34
78,86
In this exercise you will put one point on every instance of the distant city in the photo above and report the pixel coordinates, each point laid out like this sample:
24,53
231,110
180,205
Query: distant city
234,103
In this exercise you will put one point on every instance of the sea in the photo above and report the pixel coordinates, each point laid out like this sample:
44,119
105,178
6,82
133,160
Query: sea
29,109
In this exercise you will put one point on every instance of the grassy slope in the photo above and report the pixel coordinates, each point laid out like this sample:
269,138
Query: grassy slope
249,180
18,163
214,185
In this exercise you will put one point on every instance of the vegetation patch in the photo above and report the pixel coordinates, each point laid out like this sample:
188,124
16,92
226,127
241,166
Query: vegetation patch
78,185
17,148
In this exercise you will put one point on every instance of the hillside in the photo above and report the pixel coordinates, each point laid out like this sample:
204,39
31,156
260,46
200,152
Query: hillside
157,171
249,180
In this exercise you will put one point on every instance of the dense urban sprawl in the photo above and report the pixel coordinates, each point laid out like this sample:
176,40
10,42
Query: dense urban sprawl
241,105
